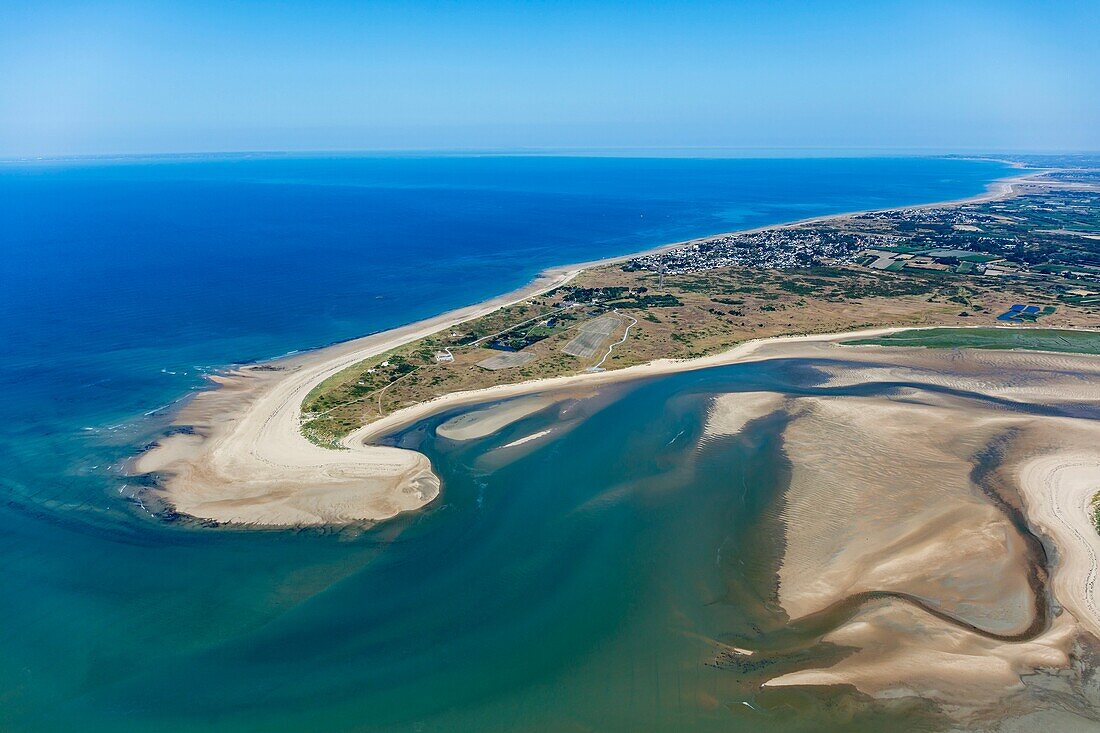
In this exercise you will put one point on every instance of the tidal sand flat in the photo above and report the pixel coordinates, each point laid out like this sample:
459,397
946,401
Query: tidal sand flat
914,512
933,513
933,524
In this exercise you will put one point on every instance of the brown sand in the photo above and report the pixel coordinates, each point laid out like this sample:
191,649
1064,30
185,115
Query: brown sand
730,413
905,651
882,499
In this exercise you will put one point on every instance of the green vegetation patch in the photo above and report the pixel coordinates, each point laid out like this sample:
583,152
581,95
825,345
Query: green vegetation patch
647,301
1094,506
1034,339
903,249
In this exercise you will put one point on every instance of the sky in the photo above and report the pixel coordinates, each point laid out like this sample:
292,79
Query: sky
82,78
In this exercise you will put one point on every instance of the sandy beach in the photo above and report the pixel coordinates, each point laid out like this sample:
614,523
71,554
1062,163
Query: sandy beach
1060,488
245,461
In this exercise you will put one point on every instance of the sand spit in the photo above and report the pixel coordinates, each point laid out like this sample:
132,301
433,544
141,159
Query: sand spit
883,503
882,498
244,460
1059,488
250,472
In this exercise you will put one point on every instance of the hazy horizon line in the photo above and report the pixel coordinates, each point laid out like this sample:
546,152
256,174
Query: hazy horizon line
567,151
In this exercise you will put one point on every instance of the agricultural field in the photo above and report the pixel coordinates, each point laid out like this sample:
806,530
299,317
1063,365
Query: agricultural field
1032,339
592,335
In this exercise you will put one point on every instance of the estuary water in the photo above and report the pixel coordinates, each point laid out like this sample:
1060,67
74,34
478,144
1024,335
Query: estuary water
580,585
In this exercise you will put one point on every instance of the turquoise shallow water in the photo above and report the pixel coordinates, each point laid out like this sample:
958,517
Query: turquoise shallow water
573,588
585,583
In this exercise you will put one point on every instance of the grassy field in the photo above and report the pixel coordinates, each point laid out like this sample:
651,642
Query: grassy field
1034,339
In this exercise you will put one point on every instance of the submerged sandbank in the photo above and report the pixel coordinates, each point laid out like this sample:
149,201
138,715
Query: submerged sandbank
488,420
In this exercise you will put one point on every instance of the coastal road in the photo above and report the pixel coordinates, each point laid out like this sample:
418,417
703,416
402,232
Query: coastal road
626,333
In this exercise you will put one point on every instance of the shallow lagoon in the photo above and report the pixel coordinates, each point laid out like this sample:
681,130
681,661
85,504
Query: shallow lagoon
591,579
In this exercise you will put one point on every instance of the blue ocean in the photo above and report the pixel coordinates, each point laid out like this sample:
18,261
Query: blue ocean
123,282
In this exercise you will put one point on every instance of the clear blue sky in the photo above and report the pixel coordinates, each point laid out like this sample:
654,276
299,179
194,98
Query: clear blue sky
104,77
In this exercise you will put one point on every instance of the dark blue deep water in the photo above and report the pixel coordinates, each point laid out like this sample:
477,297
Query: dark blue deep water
123,282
